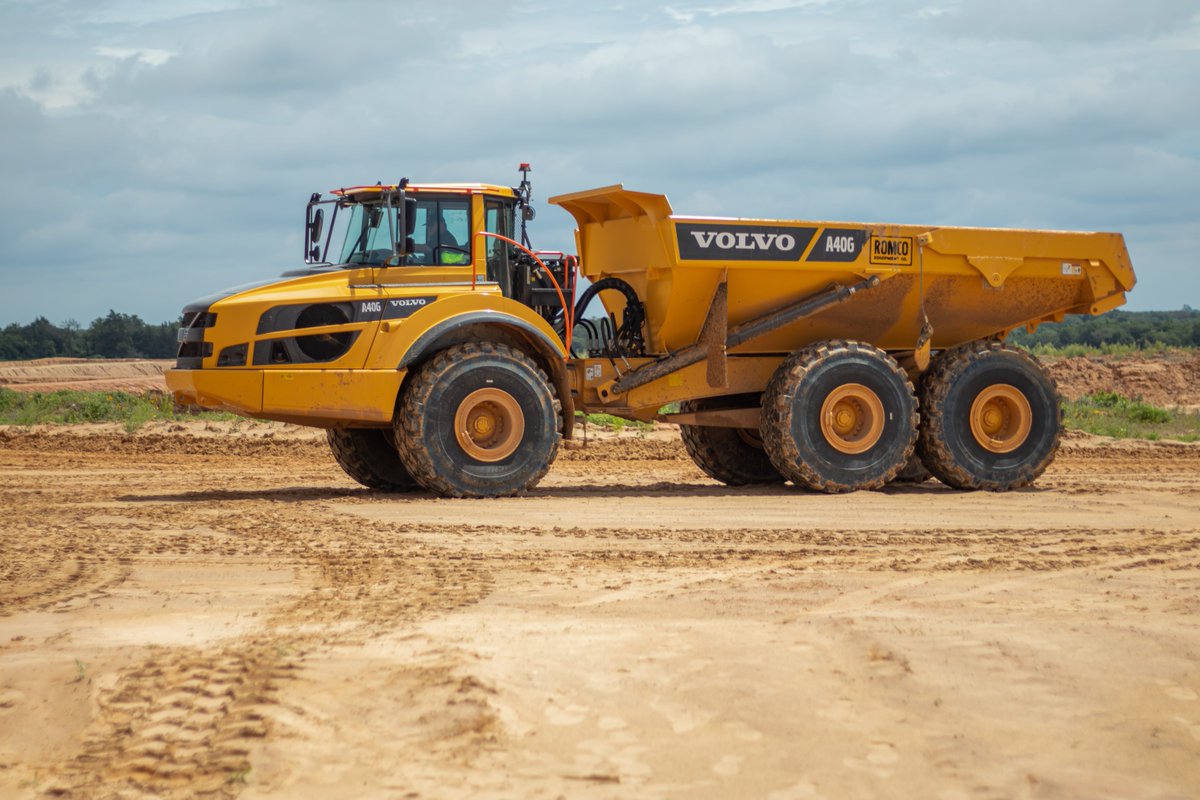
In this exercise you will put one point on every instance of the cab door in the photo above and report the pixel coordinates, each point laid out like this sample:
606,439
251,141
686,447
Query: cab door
499,214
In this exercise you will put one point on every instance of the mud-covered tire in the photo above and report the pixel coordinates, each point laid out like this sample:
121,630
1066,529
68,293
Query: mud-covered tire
956,381
913,471
802,444
369,456
441,453
732,456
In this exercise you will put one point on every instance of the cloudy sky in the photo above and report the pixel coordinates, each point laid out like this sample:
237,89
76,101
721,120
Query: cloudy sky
156,151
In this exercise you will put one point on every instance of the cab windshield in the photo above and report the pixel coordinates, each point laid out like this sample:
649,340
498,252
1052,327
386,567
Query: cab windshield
442,235
370,234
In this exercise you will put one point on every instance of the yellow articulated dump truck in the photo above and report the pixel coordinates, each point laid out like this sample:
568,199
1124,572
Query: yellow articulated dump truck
440,352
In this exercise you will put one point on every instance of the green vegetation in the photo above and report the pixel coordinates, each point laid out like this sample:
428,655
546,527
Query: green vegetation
612,423
1109,414
1076,350
113,336
66,407
1116,331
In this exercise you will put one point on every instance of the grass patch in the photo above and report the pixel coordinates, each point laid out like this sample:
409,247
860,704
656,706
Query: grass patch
1109,414
74,407
609,422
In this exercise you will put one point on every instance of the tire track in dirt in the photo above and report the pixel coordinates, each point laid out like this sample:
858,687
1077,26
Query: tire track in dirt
182,721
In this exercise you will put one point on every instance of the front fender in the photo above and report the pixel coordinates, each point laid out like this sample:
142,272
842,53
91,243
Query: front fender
408,343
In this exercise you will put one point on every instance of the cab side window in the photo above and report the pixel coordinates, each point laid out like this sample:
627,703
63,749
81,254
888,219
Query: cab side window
442,235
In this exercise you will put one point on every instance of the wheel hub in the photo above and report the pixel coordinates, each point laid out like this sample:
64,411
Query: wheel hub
852,418
1001,418
489,424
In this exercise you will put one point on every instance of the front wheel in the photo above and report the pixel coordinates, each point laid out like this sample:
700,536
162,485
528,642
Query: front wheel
839,416
478,420
991,417
368,455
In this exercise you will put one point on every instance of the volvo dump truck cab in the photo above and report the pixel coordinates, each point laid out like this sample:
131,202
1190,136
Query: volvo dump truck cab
440,352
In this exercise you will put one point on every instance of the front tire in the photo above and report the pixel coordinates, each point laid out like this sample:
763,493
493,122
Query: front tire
478,420
733,456
992,417
839,416
368,455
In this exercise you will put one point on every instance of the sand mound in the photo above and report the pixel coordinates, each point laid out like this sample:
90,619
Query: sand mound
1164,379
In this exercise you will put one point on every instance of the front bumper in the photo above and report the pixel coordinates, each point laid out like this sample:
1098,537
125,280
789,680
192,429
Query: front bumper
323,398
236,390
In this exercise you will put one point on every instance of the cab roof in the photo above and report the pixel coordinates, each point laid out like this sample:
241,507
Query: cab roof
360,194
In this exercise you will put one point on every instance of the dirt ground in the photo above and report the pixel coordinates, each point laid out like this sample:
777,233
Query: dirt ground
215,610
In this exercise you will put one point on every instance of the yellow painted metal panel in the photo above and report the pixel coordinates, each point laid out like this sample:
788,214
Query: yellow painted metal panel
360,395
236,390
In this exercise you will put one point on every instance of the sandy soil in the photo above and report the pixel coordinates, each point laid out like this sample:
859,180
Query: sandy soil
214,610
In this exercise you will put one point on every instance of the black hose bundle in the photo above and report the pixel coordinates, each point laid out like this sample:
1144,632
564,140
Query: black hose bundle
623,341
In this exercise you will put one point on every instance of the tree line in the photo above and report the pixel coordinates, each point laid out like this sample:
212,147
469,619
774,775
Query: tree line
1139,329
113,336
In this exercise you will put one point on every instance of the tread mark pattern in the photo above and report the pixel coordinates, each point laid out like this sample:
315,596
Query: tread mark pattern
722,455
413,413
935,390
778,410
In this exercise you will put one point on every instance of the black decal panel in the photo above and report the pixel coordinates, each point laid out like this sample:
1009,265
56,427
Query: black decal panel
400,307
838,244
725,242
366,310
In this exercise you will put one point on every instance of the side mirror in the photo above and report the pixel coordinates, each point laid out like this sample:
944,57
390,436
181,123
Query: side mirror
410,216
315,225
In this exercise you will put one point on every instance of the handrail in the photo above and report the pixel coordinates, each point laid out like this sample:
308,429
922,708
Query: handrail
568,312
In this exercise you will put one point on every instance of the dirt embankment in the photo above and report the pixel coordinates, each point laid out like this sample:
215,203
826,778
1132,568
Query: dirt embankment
86,374
215,610
1163,379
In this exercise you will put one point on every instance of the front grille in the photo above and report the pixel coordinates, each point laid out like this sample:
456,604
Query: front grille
198,319
192,347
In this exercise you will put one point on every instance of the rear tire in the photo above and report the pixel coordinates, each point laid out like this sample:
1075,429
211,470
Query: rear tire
478,420
992,417
839,416
913,471
733,456
368,455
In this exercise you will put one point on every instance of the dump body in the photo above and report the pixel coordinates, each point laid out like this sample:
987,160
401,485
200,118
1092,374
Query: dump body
970,283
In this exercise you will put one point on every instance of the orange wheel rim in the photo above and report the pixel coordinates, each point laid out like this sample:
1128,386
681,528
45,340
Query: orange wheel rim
852,418
489,424
1001,418
751,436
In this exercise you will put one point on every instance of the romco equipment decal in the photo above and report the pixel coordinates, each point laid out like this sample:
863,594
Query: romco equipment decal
724,242
892,250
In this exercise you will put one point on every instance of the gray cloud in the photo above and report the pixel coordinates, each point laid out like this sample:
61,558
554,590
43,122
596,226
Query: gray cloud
157,152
